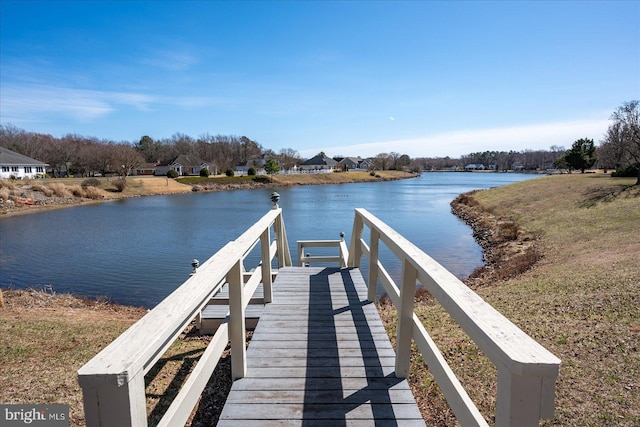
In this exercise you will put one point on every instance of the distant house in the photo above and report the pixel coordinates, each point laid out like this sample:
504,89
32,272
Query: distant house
185,165
319,163
474,167
367,164
145,169
255,163
15,165
350,163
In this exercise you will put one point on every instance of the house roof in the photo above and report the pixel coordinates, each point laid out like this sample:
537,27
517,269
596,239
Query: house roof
355,160
184,160
11,158
320,160
188,160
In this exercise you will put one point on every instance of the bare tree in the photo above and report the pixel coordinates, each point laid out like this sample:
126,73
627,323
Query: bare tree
381,161
288,158
625,132
127,159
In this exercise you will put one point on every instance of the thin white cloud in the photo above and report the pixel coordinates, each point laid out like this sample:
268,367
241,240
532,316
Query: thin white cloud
39,103
456,143
29,101
171,60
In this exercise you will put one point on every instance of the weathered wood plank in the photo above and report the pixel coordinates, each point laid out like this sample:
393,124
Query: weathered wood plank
257,343
320,354
403,396
303,352
314,411
346,384
341,362
320,372
317,423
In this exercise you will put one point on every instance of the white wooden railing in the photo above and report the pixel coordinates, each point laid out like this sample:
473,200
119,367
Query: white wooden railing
113,386
341,258
526,371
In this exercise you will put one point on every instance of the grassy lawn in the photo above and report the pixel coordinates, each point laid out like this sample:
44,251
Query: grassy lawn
581,300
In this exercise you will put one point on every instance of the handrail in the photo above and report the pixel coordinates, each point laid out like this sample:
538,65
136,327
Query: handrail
526,370
341,258
113,381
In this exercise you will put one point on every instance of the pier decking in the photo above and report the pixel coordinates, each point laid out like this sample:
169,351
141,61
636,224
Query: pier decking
320,356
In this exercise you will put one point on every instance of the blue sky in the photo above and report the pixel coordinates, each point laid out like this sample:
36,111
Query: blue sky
425,78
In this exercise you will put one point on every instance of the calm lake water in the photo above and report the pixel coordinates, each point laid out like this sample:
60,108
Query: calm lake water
137,251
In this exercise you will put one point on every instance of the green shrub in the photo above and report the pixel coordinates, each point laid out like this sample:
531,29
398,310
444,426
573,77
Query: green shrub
204,172
230,172
173,174
629,172
251,172
262,179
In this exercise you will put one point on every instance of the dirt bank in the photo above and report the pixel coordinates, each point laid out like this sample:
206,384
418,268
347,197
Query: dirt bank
507,250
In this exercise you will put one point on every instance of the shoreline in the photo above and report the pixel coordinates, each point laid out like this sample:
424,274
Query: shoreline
507,250
27,197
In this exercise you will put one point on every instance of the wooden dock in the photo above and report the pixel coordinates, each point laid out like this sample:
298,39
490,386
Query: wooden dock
320,356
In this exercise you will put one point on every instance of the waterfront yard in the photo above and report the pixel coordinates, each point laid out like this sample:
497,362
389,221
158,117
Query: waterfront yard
580,300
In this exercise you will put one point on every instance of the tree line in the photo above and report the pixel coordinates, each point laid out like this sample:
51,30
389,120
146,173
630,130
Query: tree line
86,156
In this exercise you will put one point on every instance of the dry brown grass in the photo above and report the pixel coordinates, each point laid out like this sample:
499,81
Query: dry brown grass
5,193
60,190
65,192
7,183
580,300
45,339
76,190
91,192
42,189
338,178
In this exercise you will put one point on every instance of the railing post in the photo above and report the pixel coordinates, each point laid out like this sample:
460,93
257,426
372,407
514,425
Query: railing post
237,322
109,403
284,256
355,249
300,254
343,252
266,266
523,400
374,244
405,319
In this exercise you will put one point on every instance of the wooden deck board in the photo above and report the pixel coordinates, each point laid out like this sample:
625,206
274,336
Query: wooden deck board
320,356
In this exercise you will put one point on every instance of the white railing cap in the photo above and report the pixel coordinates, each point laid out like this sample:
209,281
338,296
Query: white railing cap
501,340
139,345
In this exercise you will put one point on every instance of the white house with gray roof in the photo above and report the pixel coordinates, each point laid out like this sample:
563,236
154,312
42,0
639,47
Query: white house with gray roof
17,166
319,164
